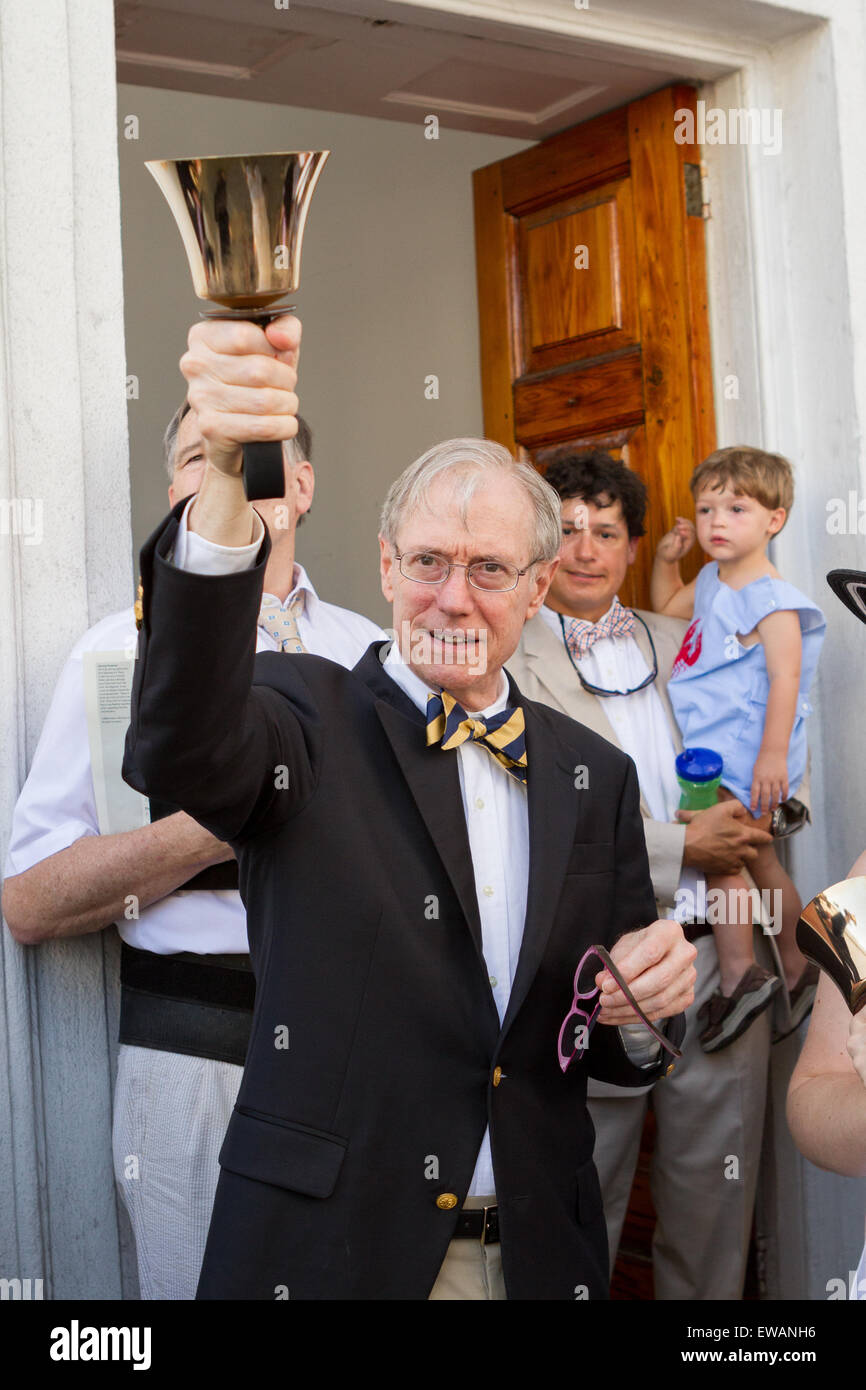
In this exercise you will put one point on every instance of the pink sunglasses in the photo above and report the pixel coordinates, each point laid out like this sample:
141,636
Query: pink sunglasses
582,1028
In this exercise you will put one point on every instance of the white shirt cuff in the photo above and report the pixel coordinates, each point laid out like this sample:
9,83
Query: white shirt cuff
642,1049
192,552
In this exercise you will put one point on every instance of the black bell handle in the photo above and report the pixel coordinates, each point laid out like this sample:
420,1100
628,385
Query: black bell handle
264,475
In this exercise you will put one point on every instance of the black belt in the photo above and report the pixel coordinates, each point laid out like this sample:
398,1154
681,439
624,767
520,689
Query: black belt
481,1224
198,1005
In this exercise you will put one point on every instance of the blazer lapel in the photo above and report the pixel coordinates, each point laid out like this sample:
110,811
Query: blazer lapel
433,780
553,812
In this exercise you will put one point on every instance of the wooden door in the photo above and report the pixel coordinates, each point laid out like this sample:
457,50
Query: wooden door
593,304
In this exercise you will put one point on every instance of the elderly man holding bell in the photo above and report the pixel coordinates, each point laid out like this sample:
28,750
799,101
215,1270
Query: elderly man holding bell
423,868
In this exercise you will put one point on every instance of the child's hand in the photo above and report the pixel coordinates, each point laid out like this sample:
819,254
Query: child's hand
769,781
677,542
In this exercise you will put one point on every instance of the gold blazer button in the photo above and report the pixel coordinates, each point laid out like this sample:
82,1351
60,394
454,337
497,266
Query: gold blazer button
497,1075
446,1201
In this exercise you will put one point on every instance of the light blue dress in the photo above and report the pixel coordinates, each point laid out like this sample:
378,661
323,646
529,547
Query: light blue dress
719,688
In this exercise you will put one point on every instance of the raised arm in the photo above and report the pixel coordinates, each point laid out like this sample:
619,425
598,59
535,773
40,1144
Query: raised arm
201,736
668,593
242,381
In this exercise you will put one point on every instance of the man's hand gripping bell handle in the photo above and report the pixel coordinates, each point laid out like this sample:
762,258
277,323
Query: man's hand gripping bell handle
264,475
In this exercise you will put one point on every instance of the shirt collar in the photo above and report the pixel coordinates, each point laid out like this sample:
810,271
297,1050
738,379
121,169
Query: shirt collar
551,617
418,691
301,585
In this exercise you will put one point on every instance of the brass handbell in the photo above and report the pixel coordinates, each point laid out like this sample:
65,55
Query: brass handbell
831,933
242,218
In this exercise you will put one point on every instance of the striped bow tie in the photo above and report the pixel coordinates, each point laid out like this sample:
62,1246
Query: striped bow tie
503,735
580,635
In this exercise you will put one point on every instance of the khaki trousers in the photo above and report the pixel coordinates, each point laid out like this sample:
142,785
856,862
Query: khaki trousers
471,1270
709,1129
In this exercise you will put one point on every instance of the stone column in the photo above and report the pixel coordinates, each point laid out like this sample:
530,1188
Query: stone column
64,563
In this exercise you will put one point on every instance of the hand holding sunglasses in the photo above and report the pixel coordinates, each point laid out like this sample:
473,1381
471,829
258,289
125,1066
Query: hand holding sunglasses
586,1006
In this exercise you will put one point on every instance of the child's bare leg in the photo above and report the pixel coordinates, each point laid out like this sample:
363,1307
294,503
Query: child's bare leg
785,908
733,930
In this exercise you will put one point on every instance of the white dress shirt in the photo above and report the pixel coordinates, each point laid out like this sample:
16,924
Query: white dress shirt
641,724
57,805
497,819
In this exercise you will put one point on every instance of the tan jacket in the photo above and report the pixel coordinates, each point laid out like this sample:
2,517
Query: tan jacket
543,671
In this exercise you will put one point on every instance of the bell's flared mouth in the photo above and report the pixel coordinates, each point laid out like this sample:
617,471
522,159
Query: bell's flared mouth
850,587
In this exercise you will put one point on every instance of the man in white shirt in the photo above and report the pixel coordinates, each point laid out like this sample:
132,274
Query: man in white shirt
187,988
582,648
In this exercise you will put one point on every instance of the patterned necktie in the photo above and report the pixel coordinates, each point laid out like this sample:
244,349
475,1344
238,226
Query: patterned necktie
503,735
580,635
282,623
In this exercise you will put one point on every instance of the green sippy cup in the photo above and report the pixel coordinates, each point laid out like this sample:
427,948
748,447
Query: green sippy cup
699,772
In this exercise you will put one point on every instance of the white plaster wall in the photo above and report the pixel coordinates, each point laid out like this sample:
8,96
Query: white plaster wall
788,309
63,444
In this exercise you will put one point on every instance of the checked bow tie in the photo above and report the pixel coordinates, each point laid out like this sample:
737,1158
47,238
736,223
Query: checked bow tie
282,623
580,634
503,734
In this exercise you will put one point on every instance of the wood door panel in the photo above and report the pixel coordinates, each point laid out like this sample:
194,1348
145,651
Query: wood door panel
495,236
627,346
563,303
604,396
566,162
578,294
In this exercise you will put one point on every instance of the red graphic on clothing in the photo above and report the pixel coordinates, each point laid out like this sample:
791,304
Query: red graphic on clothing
690,650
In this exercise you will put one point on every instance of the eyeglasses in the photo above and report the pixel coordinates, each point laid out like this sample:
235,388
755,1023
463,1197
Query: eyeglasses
493,576
596,689
580,1030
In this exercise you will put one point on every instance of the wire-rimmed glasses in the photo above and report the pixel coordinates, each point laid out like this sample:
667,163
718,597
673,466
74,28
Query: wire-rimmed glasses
492,576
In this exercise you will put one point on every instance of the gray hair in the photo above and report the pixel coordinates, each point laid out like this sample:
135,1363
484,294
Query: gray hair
472,461
298,450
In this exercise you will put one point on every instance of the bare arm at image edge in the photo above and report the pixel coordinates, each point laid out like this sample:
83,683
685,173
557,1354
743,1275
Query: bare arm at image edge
827,1095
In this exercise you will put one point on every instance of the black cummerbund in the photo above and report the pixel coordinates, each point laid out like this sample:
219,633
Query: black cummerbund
199,1005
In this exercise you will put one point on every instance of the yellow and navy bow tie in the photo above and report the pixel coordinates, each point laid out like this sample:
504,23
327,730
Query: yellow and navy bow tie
503,735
